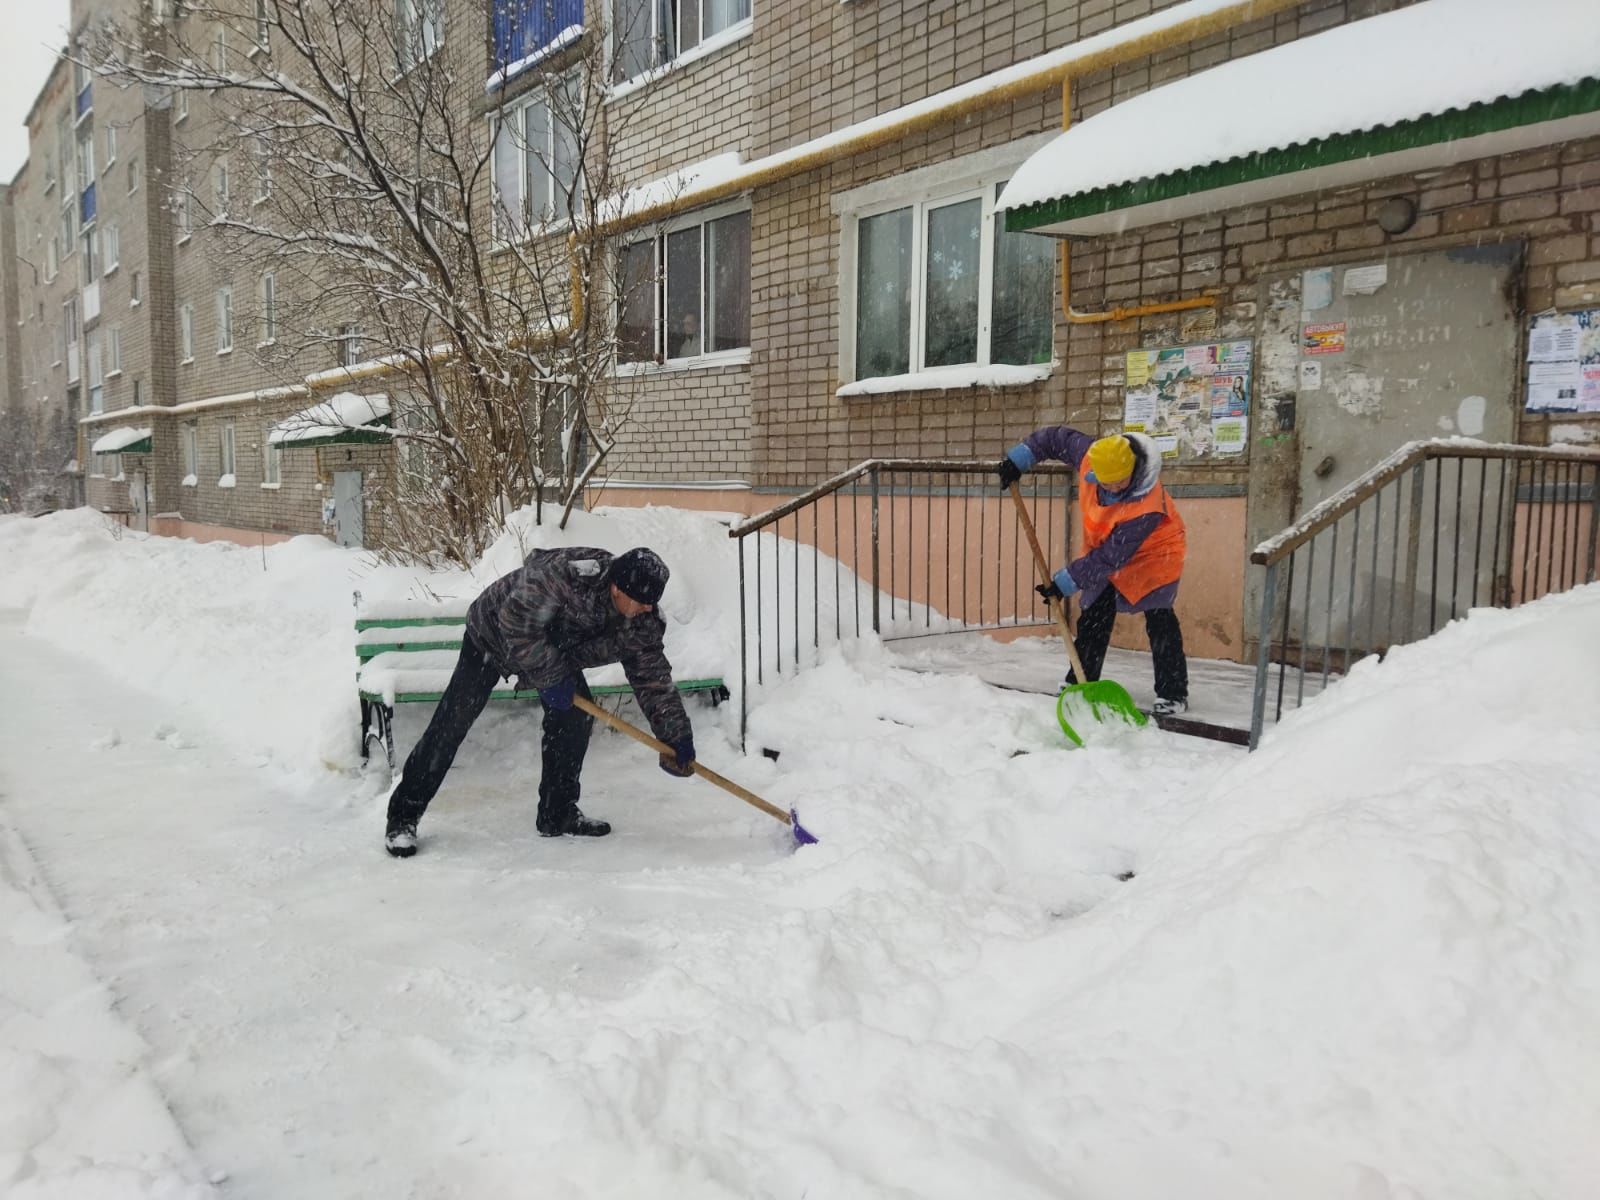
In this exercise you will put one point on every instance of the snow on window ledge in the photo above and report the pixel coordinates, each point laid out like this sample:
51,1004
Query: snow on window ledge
189,481
941,379
270,487
701,362
227,481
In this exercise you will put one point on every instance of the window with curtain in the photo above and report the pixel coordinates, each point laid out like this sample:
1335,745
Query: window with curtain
940,283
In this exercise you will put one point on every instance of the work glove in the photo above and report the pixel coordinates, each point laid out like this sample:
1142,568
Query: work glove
1017,460
1061,585
558,696
681,761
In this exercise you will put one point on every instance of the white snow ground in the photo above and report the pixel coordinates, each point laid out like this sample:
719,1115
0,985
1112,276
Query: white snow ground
1364,962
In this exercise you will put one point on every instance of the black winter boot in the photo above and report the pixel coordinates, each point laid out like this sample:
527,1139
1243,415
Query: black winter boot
576,824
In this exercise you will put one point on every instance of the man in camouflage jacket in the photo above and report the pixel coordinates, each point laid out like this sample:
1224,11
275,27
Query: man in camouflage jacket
561,611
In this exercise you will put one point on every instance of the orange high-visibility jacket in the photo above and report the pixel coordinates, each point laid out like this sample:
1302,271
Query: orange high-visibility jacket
1159,560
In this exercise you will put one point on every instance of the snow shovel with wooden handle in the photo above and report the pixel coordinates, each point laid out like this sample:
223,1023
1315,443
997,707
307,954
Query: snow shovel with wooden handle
1099,694
802,835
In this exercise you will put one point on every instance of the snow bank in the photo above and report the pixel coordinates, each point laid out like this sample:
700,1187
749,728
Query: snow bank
1370,965
1363,962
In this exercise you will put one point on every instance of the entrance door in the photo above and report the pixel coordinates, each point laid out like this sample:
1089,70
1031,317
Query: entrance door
1361,358
347,511
139,500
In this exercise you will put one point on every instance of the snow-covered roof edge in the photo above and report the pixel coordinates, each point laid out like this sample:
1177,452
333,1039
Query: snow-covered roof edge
117,439
1426,59
346,412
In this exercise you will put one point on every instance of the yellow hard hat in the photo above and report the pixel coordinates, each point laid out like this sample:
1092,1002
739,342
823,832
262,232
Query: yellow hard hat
1111,459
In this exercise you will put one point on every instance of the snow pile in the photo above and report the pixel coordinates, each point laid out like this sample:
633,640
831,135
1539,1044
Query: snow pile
1370,966
1364,962
262,641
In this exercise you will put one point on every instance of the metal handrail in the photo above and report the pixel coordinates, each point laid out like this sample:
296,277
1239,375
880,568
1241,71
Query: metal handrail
902,466
1373,550
1363,487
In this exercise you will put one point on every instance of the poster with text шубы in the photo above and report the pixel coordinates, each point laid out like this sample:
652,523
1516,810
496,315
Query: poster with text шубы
1193,401
1564,362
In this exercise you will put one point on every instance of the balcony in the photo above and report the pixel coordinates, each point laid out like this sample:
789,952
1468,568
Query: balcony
85,100
86,205
527,30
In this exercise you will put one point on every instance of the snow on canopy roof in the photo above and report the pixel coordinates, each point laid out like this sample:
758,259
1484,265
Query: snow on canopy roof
1434,57
338,414
119,439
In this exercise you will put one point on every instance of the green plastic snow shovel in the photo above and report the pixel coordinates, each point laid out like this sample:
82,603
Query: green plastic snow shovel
1100,696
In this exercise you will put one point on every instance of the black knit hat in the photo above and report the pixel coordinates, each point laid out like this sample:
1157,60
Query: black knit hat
640,574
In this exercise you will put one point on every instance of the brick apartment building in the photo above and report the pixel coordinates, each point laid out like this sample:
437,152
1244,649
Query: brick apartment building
835,277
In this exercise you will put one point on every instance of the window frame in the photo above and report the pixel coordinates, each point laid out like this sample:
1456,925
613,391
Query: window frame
921,199
702,219
271,460
348,344
267,297
413,20
221,186
113,350
111,249
186,333
503,231
227,451
734,30
191,453
263,157
225,320
263,38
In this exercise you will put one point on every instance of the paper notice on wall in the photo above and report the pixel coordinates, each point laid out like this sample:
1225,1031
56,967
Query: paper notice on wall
1323,339
1364,281
1554,337
1167,443
1233,356
1139,409
1201,360
1229,435
1316,289
1554,386
1310,375
1139,367
1589,390
1228,396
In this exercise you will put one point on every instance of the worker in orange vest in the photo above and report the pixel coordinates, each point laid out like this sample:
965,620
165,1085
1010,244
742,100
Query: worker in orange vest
1134,546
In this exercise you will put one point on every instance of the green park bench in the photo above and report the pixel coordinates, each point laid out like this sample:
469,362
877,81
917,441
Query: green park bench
409,659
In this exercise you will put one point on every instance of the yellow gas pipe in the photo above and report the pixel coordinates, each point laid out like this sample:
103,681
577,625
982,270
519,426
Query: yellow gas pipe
1116,314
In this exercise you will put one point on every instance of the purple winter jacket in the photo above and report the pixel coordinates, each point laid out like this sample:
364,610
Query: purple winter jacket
1093,571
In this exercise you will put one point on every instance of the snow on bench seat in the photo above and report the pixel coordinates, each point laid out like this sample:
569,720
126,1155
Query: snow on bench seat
414,675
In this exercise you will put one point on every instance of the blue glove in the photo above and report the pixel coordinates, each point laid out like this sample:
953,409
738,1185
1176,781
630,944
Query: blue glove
1061,585
1017,460
680,761
558,696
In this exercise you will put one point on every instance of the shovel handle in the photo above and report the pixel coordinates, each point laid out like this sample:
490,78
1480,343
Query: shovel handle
639,735
1057,609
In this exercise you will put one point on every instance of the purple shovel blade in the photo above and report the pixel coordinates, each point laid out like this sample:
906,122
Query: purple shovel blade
802,835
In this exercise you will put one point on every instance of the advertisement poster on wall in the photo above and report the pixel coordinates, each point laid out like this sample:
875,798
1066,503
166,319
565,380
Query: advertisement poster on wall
1564,362
1194,401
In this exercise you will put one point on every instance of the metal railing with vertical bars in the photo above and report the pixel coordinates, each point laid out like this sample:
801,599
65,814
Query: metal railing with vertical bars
897,548
1434,530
